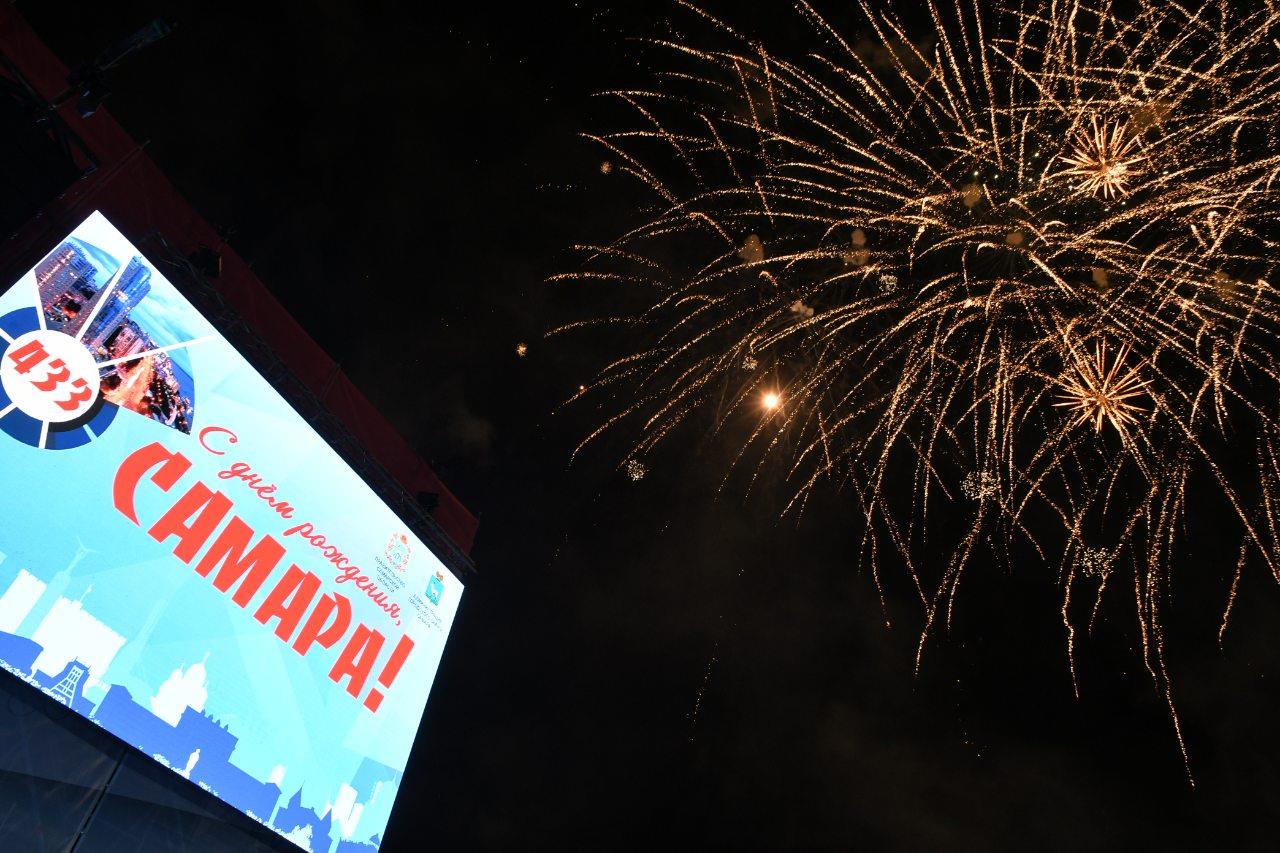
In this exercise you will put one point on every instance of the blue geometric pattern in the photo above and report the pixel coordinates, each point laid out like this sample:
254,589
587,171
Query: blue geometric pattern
25,428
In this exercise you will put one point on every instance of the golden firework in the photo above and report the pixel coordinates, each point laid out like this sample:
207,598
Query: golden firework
1103,391
1103,160
1030,177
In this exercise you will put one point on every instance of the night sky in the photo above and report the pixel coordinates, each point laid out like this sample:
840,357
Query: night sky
663,662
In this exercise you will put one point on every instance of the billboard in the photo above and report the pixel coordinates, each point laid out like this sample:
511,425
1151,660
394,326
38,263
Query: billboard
186,563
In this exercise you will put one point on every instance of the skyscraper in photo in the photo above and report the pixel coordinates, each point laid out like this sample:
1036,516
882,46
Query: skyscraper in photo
70,281
133,287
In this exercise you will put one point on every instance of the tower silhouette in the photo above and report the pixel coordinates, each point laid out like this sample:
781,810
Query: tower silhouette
66,690
67,686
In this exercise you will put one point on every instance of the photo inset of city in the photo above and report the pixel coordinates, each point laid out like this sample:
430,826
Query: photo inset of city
88,293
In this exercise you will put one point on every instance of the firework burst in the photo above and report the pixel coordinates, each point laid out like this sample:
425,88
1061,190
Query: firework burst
1104,162
1101,391
923,240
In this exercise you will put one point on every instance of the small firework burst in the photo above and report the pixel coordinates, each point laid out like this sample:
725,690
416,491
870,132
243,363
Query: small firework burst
635,470
979,485
1103,160
522,349
1094,563
888,283
749,362
1100,390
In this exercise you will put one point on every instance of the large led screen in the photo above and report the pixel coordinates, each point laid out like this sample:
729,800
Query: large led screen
186,563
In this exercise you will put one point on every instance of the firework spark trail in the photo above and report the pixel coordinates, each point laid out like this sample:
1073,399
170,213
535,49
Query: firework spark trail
1022,259
701,692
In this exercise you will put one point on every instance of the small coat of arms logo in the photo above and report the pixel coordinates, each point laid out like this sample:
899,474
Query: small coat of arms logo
435,588
399,551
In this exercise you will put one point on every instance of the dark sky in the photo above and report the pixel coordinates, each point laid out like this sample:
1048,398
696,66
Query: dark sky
427,158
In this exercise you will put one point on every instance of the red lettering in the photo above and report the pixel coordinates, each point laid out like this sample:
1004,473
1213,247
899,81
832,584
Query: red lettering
289,601
27,357
82,394
237,471
234,559
357,659
216,430
57,374
243,471
346,573
135,467
254,567
211,507
315,630
389,672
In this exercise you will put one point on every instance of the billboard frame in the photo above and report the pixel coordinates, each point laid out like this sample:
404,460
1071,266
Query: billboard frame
182,274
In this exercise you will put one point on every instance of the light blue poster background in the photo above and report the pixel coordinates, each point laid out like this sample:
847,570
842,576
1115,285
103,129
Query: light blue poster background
187,648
